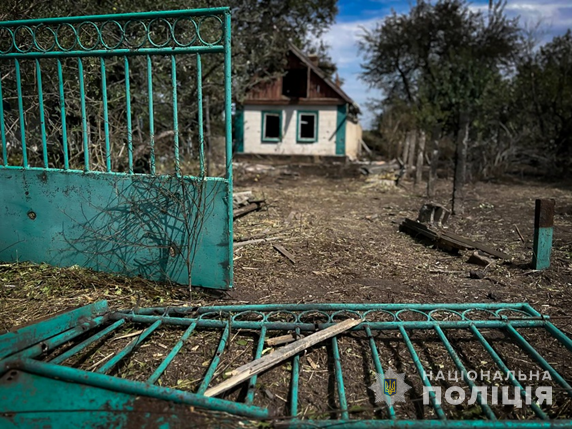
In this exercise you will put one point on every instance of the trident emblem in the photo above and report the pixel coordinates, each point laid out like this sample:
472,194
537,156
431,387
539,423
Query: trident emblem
390,386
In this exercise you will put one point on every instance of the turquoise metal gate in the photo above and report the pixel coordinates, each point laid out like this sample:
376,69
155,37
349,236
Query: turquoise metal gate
103,160
95,368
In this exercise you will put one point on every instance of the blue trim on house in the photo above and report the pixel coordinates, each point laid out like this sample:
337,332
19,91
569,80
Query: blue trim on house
341,129
299,113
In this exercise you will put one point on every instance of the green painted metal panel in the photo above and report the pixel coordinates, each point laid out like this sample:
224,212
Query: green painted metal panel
542,247
341,129
159,227
136,225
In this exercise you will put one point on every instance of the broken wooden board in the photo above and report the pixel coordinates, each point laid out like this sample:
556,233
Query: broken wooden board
252,206
257,366
284,252
447,239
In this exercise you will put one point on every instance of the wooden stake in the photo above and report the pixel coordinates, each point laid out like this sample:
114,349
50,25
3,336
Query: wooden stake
259,365
543,227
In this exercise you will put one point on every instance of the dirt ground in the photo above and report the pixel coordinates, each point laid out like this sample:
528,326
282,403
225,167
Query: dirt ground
343,233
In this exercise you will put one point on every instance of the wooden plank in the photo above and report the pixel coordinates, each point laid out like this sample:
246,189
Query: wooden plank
474,245
252,207
260,365
282,339
284,252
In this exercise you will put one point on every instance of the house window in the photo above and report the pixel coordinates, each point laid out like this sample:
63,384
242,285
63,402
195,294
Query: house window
307,131
271,127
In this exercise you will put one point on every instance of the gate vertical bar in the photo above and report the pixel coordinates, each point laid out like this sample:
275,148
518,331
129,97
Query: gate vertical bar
200,115
63,114
83,115
2,129
129,124
21,112
175,115
228,133
42,116
151,120
257,355
105,115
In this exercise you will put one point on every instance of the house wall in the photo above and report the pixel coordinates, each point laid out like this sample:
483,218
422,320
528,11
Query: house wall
326,144
353,138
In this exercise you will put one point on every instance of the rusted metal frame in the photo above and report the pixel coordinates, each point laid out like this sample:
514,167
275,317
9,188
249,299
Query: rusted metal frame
20,339
168,359
116,384
66,355
115,360
216,360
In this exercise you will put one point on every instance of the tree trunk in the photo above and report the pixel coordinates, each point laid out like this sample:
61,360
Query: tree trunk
460,165
406,144
436,135
411,160
420,154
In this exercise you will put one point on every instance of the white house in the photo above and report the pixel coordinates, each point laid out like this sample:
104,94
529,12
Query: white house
300,113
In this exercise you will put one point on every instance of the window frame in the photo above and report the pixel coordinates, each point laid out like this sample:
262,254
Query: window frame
316,114
265,139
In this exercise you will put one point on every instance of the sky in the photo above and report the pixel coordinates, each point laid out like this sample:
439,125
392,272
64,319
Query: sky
554,16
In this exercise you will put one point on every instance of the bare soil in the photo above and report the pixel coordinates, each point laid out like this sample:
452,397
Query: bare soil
343,234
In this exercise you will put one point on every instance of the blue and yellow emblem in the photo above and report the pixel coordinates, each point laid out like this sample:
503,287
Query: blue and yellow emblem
390,386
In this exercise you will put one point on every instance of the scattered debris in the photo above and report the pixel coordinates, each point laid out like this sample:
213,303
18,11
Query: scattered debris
283,339
519,234
285,253
253,206
255,241
477,274
432,213
240,199
259,365
380,167
478,259
447,240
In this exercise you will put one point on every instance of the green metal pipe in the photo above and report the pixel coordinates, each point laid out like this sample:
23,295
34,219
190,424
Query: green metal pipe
200,116
118,16
287,326
539,359
559,335
360,307
214,49
167,361
21,113
421,371
378,366
115,359
295,382
3,128
257,355
228,132
42,116
461,367
112,173
83,115
151,119
506,371
430,424
63,114
216,359
105,115
66,355
116,384
175,114
129,124
339,379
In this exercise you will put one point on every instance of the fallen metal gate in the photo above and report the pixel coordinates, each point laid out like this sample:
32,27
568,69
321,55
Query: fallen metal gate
52,371
92,109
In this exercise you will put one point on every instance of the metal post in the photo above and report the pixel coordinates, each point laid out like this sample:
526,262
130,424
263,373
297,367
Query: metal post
543,227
